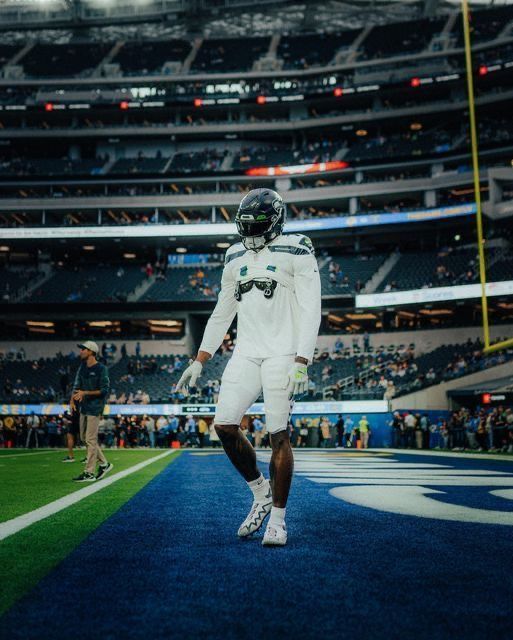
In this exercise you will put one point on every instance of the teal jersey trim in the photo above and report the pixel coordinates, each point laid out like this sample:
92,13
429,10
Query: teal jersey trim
297,251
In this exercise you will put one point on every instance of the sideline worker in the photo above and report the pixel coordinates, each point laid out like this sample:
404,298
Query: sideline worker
90,391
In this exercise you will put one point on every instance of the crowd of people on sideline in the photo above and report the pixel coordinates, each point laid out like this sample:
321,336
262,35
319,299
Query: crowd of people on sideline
483,429
477,430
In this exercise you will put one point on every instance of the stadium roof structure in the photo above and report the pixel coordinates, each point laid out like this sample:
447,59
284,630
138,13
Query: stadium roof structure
271,15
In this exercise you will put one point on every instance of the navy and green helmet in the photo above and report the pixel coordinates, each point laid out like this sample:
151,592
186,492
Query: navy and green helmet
261,214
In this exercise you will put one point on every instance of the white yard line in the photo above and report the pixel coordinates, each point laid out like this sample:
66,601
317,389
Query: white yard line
32,453
447,454
21,522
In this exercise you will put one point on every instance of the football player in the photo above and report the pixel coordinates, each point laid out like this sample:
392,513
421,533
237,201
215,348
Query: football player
271,282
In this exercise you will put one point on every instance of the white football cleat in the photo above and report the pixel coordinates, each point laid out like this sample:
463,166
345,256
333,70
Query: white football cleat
260,509
275,536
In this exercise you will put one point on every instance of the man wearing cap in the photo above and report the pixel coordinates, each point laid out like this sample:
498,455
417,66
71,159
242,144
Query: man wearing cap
90,392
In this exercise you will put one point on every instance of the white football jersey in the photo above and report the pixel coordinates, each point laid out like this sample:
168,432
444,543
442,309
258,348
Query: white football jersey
284,324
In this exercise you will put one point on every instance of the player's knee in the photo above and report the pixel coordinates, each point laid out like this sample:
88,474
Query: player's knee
226,431
280,440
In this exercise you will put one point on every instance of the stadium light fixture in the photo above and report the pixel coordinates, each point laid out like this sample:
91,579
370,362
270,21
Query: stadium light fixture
181,250
4,247
89,247
361,132
37,323
415,126
129,256
222,245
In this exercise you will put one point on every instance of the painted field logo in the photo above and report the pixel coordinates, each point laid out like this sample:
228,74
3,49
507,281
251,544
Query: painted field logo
387,484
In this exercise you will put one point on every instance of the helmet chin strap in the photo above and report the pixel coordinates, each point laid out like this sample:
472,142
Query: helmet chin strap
254,243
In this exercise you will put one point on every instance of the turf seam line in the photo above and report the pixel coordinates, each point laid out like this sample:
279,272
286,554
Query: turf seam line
10,527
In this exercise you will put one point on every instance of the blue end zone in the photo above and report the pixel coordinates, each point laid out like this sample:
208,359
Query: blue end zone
169,564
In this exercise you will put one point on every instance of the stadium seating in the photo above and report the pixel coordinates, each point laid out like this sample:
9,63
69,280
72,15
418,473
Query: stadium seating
139,165
149,57
50,166
313,50
485,24
208,160
43,380
341,274
229,54
66,60
407,145
15,281
400,38
102,283
7,51
429,269
186,283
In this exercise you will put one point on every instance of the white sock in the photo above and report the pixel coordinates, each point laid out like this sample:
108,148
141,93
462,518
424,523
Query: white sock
277,516
259,487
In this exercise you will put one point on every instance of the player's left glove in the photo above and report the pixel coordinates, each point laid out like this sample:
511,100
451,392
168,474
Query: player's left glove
190,375
297,383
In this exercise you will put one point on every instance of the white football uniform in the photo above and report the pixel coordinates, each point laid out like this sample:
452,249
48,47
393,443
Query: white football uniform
271,330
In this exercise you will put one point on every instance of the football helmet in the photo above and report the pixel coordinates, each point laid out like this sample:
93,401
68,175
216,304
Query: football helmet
260,218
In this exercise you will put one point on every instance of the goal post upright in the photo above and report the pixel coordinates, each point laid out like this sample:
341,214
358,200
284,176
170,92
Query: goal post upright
475,171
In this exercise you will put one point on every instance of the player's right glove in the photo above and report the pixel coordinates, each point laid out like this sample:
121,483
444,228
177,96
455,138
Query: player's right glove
297,380
190,375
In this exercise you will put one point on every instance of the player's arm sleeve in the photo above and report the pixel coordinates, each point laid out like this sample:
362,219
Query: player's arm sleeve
307,285
78,381
222,316
104,383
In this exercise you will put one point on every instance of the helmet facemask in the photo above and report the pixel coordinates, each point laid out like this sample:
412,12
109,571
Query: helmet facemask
260,218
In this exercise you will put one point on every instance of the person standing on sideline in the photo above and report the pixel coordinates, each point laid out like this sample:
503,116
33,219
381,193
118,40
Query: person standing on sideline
271,282
90,392
364,429
259,431
339,426
33,424
202,431
348,432
149,423
72,428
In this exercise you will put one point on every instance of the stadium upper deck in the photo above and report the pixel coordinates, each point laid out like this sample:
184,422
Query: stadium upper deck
185,50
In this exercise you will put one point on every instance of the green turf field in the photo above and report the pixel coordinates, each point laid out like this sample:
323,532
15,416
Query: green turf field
31,480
